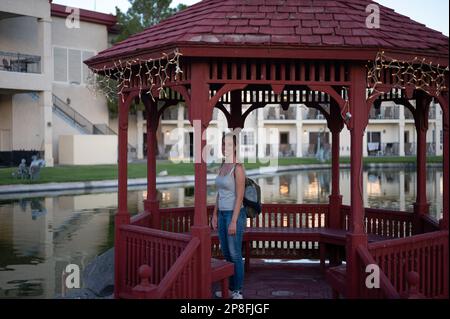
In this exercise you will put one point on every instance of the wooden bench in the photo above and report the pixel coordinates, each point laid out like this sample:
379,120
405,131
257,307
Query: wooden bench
221,270
324,236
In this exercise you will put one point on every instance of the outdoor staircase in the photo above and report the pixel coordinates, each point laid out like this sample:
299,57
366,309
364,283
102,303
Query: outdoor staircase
74,118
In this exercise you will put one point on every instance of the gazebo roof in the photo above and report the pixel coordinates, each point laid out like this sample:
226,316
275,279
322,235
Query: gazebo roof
293,24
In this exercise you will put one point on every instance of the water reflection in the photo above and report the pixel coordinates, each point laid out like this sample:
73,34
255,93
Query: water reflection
40,235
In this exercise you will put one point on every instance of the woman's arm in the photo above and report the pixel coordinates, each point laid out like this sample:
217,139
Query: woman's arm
239,175
214,216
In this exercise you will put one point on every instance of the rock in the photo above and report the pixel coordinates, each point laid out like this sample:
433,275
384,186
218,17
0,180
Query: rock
163,173
79,294
98,276
213,169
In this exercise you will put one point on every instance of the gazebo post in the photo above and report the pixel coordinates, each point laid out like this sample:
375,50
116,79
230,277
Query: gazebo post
122,216
235,110
443,101
356,236
151,204
200,116
335,125
421,206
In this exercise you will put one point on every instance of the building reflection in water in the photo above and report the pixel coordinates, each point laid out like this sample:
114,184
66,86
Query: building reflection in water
39,236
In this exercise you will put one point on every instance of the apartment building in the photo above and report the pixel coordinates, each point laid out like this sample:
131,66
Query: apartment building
45,101
300,132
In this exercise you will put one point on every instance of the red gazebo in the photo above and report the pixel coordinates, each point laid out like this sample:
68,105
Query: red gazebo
225,53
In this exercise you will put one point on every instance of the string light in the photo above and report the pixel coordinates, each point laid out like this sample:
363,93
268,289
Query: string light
416,73
149,73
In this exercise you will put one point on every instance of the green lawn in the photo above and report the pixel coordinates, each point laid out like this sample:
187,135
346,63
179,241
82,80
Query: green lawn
139,170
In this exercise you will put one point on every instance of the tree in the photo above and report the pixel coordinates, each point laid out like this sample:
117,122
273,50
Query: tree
143,14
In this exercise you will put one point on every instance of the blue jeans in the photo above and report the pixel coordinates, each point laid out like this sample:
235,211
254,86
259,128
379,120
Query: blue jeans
231,245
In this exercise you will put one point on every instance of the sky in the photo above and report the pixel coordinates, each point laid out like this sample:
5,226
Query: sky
432,13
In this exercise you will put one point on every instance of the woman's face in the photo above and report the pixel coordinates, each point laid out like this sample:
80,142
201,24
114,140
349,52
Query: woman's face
228,147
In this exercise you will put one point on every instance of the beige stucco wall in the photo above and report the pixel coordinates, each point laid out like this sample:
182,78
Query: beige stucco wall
132,128
26,124
389,132
89,37
87,149
61,127
5,123
26,35
84,102
19,34
33,8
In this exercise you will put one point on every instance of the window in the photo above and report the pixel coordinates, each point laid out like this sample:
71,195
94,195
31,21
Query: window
86,55
374,137
60,64
69,66
284,138
247,138
75,66
373,142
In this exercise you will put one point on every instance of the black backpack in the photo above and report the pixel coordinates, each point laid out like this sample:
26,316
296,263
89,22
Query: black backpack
252,198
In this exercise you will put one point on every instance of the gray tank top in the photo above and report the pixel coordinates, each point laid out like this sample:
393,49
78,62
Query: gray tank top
226,188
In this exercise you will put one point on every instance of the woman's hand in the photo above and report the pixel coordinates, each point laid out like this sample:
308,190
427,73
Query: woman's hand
232,228
214,221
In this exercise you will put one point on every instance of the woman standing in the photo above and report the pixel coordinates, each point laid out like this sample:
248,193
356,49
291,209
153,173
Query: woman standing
229,214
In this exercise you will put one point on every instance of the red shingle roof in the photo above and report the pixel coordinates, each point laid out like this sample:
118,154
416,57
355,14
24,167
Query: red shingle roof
298,23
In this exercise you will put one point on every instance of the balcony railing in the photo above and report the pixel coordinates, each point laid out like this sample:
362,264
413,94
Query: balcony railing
287,150
313,114
311,150
410,149
431,149
384,113
170,114
19,62
283,115
432,113
383,149
408,115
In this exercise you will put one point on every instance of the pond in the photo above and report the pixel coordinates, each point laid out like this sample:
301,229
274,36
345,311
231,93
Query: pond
41,233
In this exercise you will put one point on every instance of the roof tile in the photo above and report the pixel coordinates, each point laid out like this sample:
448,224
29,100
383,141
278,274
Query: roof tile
333,39
303,31
284,23
323,30
250,30
310,23
276,30
311,39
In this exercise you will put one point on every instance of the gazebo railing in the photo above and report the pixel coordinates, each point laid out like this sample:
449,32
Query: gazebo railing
381,222
386,289
273,216
179,220
425,254
179,281
158,249
292,216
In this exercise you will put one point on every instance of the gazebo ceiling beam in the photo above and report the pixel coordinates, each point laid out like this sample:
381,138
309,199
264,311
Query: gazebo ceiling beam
224,110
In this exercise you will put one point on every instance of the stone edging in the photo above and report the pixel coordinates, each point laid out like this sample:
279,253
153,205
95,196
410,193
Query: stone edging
187,179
